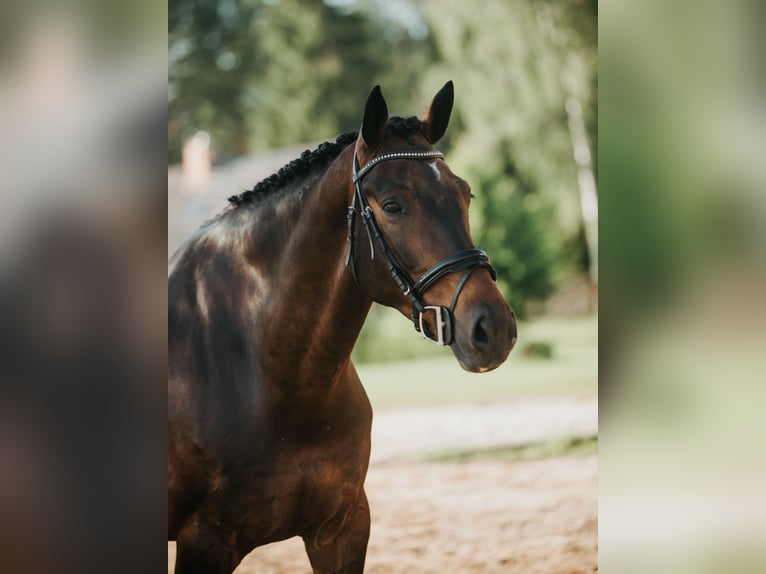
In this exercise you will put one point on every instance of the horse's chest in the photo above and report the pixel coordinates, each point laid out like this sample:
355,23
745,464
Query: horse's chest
323,467
296,472
297,488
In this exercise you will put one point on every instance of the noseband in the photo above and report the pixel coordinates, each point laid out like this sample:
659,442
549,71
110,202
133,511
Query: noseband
467,260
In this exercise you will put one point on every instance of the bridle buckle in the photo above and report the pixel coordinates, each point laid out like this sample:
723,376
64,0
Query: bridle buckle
443,322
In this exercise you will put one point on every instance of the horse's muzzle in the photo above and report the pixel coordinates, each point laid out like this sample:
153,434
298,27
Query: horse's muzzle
484,337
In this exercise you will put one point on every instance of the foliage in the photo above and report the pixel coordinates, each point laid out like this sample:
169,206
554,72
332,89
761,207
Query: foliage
516,63
260,74
537,350
515,228
568,445
211,56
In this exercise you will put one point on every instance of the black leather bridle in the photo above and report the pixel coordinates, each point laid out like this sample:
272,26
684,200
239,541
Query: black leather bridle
467,260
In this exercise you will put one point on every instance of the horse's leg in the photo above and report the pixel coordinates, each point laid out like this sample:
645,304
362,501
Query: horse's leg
345,552
200,550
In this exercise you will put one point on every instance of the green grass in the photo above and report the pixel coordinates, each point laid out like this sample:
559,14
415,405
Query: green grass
562,446
571,370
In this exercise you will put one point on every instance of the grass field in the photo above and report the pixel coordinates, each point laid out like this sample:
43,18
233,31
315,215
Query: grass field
559,446
437,379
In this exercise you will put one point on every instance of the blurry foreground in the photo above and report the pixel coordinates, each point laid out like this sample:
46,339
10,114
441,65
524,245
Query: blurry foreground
82,248
682,177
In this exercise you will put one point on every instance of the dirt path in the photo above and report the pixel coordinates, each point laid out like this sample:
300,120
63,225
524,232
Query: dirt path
404,434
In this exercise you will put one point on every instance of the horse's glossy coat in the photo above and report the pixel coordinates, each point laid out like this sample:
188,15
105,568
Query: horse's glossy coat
269,426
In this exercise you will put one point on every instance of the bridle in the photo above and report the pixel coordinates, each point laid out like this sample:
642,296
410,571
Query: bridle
467,260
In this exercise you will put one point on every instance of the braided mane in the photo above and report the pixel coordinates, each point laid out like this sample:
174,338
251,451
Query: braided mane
321,156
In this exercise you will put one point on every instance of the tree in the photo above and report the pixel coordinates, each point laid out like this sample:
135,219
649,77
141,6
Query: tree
516,63
212,54
258,75
516,230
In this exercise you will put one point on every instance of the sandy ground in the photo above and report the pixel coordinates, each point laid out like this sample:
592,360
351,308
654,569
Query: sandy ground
528,517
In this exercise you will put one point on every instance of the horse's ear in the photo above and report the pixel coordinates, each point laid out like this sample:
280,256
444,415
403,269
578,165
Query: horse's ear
436,116
375,118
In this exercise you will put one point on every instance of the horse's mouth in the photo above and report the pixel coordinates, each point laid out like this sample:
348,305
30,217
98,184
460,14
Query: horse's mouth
472,366
479,352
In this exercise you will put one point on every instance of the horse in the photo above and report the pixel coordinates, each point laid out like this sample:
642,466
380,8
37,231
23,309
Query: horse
268,422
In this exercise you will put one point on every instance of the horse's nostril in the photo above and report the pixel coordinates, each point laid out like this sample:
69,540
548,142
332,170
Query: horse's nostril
480,336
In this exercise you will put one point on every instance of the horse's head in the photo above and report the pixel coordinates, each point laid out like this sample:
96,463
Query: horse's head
424,263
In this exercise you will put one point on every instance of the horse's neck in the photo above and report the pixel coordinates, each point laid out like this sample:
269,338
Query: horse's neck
314,310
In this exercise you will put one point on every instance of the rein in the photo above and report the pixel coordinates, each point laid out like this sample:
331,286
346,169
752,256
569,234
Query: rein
467,260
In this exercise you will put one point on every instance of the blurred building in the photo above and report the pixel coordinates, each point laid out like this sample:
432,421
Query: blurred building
197,189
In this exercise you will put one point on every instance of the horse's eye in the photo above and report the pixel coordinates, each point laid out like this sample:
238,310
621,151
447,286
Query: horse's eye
392,207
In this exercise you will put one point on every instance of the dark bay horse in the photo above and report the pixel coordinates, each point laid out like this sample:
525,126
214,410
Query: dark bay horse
269,426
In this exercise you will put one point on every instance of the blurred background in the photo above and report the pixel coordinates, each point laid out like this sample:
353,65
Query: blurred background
83,333
682,189
252,83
